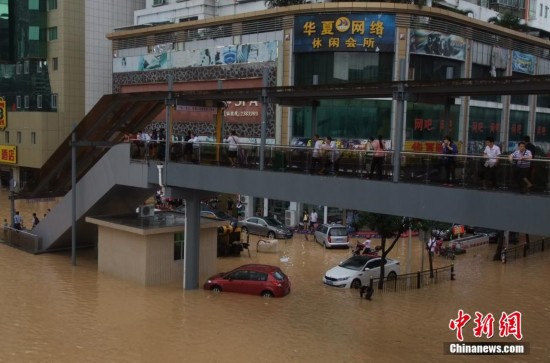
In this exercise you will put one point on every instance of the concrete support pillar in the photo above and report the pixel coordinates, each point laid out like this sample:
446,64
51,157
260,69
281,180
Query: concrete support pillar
192,242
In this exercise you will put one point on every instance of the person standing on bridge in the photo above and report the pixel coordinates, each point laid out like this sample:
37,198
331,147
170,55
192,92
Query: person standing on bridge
521,158
491,154
449,149
377,163
233,148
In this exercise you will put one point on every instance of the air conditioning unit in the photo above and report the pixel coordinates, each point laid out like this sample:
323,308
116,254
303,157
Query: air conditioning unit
147,210
290,218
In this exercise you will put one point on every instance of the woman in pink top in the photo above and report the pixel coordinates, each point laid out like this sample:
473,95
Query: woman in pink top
377,157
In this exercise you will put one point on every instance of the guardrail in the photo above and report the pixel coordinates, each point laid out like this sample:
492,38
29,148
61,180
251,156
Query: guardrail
525,249
414,280
22,239
415,167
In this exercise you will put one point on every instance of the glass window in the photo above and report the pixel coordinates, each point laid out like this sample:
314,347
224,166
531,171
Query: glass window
54,101
39,101
542,127
483,122
52,33
279,275
429,68
34,5
428,122
342,67
482,71
374,263
18,68
7,137
18,137
18,101
55,64
52,4
33,137
349,119
34,33
27,103
517,125
543,100
519,99
26,67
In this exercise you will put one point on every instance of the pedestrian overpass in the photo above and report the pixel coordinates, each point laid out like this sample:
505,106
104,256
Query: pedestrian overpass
108,181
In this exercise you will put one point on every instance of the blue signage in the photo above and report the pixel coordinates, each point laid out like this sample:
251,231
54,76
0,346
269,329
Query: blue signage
523,63
372,32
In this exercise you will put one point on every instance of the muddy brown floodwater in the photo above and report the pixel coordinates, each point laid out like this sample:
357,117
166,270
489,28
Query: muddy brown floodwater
51,311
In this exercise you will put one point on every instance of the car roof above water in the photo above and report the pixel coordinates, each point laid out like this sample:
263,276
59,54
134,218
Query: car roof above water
258,267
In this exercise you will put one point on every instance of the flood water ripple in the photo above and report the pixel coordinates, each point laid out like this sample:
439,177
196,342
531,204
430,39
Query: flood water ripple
54,312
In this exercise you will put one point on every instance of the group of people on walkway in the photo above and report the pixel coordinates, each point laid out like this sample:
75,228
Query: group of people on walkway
521,158
326,155
150,146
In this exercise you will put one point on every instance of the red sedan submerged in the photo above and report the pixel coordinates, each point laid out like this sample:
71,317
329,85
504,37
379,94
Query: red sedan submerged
255,279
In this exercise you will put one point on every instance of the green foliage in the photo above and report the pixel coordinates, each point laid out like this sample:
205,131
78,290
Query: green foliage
507,20
386,225
280,3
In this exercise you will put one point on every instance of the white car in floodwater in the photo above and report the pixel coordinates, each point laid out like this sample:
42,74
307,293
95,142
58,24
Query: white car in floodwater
357,271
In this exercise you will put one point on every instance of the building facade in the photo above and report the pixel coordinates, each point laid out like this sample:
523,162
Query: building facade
334,43
55,63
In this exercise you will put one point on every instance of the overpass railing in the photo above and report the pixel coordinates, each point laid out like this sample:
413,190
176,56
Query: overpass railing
415,167
22,239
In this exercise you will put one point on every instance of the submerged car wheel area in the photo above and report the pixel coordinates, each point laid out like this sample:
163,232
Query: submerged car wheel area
357,271
332,235
265,226
254,279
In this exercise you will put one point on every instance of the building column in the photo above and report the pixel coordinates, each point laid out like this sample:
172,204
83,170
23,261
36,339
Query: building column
192,242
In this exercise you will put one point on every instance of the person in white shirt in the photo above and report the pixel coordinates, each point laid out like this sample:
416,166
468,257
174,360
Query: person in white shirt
366,246
313,217
195,155
491,154
316,154
521,158
233,141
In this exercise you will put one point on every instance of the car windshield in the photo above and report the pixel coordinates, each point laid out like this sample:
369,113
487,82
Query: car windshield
338,232
355,262
272,222
222,215
279,275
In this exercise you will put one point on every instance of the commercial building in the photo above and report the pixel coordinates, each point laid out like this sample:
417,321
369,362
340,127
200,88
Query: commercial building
55,64
331,43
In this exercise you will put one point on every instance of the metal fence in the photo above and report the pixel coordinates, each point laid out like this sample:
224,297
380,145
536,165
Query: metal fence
525,249
415,280
22,239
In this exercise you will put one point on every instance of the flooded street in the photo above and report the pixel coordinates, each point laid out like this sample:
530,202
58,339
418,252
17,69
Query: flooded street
54,312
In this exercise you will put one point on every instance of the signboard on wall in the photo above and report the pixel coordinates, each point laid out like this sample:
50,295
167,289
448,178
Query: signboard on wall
432,146
8,154
523,63
437,44
362,32
3,115
227,54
